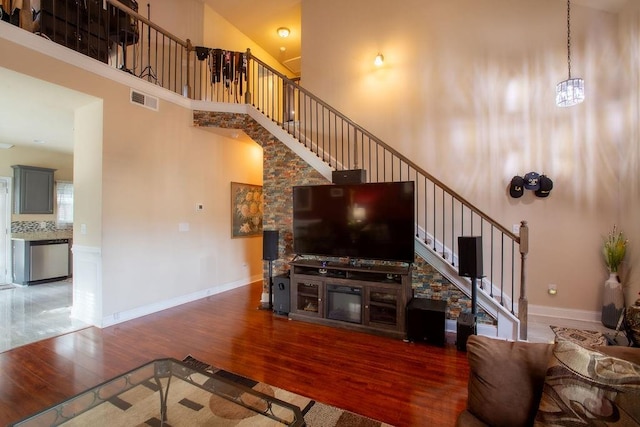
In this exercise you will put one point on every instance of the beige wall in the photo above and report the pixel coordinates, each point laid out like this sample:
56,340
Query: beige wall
220,33
87,166
144,173
629,141
467,92
182,18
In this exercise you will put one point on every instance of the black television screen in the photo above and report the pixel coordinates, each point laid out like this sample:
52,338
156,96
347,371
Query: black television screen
364,221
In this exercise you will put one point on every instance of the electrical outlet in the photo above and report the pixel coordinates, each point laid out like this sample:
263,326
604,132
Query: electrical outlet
515,228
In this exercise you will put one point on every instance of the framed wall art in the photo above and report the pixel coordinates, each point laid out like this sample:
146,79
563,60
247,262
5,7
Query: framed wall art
246,210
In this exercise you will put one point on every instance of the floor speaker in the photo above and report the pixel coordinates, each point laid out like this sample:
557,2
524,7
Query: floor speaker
281,294
465,327
270,245
470,256
353,176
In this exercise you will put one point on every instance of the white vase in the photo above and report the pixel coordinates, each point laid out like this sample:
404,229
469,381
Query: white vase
612,301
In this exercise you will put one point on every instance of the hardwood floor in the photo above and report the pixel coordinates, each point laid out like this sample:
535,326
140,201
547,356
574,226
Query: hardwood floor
400,383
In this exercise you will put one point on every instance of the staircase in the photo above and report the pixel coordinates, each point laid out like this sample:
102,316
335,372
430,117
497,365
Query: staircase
328,140
311,125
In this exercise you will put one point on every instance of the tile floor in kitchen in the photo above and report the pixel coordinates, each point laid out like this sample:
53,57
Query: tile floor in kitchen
33,313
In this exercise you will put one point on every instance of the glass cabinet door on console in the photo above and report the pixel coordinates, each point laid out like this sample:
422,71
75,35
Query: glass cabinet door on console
381,308
308,297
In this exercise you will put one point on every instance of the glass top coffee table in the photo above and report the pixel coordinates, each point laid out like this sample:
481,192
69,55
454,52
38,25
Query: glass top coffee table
169,392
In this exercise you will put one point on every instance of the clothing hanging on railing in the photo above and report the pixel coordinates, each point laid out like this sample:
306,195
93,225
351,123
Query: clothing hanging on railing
228,68
215,65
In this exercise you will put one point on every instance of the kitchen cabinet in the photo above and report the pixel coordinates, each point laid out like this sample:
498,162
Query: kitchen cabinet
32,189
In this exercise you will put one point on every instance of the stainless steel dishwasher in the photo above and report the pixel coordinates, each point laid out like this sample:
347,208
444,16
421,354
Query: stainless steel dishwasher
38,261
49,259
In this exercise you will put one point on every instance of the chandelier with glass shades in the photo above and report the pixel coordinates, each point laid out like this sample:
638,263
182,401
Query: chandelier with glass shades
571,91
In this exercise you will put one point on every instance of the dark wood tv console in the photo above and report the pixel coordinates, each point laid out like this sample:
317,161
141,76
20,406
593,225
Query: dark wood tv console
371,298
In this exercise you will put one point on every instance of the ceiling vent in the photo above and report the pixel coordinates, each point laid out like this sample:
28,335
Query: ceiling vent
151,102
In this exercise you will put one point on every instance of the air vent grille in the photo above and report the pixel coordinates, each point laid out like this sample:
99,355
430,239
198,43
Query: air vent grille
145,100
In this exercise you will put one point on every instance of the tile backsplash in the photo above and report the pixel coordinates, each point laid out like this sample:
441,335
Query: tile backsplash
37,227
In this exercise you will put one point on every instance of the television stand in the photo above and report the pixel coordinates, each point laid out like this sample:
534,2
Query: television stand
369,298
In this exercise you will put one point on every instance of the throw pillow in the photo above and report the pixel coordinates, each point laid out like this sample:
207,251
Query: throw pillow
589,339
586,387
505,380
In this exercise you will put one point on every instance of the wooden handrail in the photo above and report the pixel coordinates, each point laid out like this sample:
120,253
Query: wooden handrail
393,151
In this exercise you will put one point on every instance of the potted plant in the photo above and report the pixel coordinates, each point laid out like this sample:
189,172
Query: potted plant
614,250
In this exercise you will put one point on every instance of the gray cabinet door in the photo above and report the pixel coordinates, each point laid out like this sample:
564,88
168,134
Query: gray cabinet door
33,190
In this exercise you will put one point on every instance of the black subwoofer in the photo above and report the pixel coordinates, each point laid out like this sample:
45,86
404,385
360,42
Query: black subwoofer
426,320
470,256
270,245
281,294
465,327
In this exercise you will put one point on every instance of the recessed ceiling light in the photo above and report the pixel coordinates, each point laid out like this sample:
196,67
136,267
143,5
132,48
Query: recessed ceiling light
282,48
39,141
5,146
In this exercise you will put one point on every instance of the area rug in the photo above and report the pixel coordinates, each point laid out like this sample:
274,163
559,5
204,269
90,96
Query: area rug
315,414
584,338
133,400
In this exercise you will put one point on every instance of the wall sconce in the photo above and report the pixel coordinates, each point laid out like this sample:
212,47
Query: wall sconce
379,60
283,32
202,52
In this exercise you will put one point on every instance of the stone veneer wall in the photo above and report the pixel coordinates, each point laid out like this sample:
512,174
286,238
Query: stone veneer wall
283,170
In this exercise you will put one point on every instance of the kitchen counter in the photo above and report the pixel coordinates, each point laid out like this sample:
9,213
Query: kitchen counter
51,235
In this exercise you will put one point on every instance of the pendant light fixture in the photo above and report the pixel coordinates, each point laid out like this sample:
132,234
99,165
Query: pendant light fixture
571,91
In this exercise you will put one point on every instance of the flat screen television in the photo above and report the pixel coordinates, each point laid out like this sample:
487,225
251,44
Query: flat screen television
364,221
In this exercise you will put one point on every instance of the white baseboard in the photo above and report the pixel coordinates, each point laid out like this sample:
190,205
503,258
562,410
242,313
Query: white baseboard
542,313
124,316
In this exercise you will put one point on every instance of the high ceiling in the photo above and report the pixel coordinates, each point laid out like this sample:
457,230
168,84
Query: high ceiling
50,120
259,20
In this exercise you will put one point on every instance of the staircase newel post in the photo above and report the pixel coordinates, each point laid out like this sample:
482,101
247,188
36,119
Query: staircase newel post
355,148
247,94
523,304
190,48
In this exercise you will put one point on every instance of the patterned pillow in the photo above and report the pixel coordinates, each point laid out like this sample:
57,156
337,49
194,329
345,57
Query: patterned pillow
585,387
589,339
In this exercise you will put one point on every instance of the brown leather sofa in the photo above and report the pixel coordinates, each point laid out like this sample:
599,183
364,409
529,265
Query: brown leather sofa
506,380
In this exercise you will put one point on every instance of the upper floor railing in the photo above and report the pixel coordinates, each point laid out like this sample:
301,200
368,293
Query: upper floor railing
115,33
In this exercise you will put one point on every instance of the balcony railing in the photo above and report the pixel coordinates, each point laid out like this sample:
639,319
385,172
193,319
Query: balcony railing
116,33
